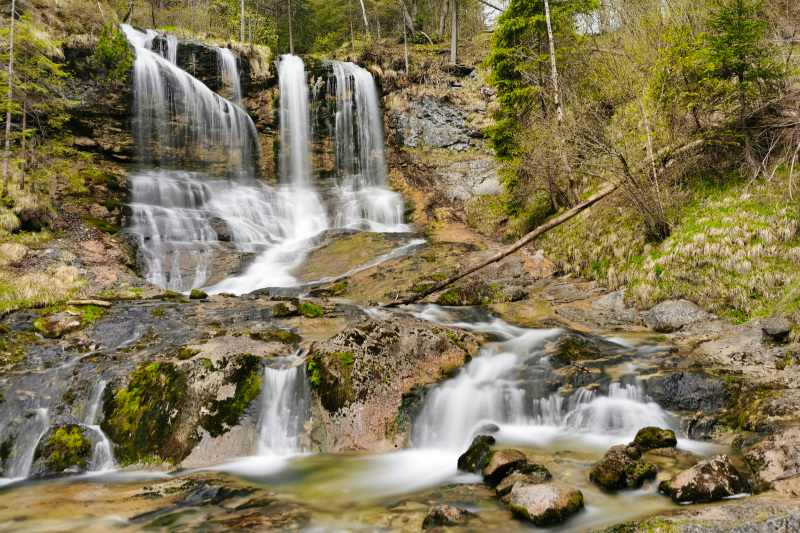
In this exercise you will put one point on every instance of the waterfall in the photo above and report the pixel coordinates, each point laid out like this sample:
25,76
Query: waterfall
295,123
365,200
102,454
21,460
229,75
508,385
286,407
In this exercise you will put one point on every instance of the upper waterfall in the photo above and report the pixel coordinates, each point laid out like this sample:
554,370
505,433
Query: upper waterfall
295,123
229,75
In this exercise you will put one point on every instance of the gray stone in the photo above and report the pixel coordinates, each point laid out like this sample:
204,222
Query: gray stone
445,515
500,463
684,391
622,468
707,481
775,329
672,315
545,504
434,123
650,438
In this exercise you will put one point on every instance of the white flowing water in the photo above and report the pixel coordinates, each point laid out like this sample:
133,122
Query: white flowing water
102,454
21,459
285,407
229,75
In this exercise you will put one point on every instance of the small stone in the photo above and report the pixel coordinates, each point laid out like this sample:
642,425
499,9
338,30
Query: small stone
775,329
672,315
707,481
531,473
197,295
472,459
650,438
498,464
445,515
546,504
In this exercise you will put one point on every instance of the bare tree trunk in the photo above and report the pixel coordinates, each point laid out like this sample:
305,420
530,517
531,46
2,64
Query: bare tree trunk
291,35
572,192
241,24
10,91
443,19
194,16
454,32
364,13
22,141
405,43
129,13
547,226
352,32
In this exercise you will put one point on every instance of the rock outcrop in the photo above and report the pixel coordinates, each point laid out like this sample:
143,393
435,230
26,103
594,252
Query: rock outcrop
472,459
650,438
446,515
546,504
622,467
672,315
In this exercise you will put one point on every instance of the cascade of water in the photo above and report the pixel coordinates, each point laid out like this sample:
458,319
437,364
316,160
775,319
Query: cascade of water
286,407
360,169
295,123
508,385
178,120
229,75
102,454
20,462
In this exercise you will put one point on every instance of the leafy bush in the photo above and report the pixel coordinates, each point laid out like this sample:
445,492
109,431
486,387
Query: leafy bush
113,54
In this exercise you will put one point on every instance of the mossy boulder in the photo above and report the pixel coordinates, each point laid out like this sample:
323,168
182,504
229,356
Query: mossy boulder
530,473
225,413
546,504
285,310
622,468
652,437
58,321
575,347
197,295
472,459
309,310
499,463
707,481
141,417
281,336
68,448
480,292
446,515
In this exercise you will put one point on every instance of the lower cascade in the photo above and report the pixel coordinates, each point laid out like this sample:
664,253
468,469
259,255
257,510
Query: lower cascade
285,408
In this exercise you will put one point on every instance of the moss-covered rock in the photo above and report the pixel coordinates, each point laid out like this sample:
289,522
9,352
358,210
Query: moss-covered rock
226,413
472,459
707,481
276,335
622,468
57,321
67,448
309,310
574,347
652,437
499,463
546,504
140,417
197,295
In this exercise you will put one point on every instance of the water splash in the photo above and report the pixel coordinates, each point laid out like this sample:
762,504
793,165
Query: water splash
102,454
286,407
229,75
21,460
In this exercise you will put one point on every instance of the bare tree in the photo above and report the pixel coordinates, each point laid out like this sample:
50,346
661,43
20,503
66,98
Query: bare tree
241,24
10,91
291,34
454,32
364,13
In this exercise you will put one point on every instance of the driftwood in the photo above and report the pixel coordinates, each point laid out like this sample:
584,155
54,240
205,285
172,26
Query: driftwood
547,226
98,303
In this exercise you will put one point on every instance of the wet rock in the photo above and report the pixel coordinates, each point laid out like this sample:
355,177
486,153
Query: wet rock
65,449
652,437
498,464
622,468
367,377
445,515
685,391
672,315
58,324
197,295
546,504
707,481
221,228
479,292
531,473
472,459
702,427
574,347
775,329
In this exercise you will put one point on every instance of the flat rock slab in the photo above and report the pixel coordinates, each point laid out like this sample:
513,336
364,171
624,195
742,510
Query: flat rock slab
672,315
545,504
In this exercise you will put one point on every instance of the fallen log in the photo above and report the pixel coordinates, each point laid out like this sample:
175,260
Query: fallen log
547,226
98,303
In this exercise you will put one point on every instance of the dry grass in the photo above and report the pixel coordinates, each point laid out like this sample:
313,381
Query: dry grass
734,252
38,289
8,220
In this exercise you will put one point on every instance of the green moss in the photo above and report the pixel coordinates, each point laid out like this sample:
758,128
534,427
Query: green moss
102,225
331,377
448,298
639,472
224,414
786,361
309,310
67,447
208,363
337,289
158,312
187,353
139,418
282,336
197,295
171,296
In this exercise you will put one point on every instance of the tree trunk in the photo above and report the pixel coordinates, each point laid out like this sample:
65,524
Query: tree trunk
352,32
9,94
22,141
405,45
547,226
572,189
454,32
291,35
241,24
364,13
443,19
129,13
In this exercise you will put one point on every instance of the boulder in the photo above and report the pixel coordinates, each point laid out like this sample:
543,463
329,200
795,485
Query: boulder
650,438
684,391
197,294
58,324
472,459
707,481
531,473
498,464
445,515
64,449
775,329
622,468
573,347
672,315
545,504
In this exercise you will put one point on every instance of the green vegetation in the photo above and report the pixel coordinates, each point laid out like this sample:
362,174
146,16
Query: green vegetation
284,337
158,312
197,295
226,413
113,54
67,447
310,310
